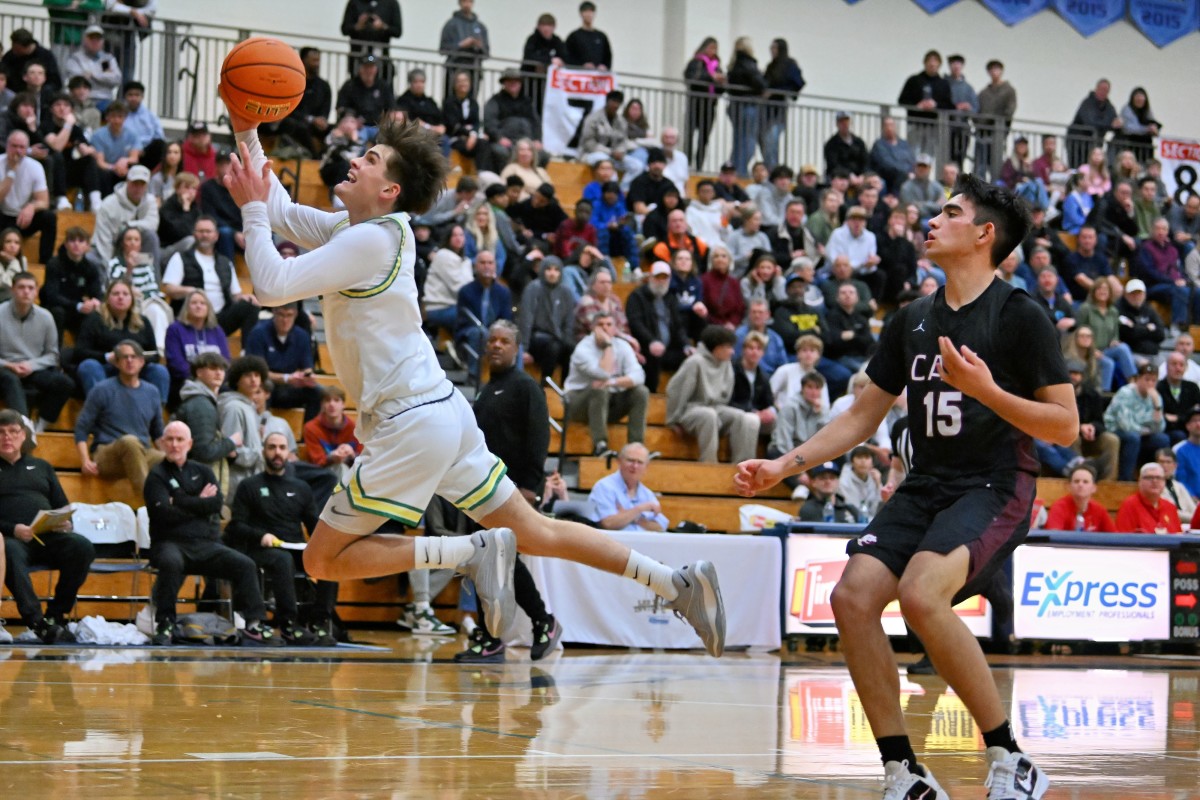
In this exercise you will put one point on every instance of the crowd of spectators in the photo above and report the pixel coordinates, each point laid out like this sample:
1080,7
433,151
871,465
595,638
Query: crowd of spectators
759,296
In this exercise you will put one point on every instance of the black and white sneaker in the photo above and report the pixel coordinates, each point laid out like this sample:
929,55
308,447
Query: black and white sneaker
700,605
1012,776
901,784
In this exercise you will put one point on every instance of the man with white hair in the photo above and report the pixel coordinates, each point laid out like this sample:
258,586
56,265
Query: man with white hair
184,504
25,197
677,163
621,501
1185,344
1146,510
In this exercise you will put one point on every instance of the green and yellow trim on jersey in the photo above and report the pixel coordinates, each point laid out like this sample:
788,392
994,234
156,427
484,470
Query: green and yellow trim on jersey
381,506
484,491
382,286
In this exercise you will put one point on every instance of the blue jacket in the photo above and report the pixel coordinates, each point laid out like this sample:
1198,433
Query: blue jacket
470,297
294,355
775,356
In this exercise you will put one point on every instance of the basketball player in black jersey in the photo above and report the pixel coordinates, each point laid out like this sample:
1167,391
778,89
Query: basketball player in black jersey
985,376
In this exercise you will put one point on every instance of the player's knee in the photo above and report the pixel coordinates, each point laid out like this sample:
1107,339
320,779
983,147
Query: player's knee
317,563
847,603
918,604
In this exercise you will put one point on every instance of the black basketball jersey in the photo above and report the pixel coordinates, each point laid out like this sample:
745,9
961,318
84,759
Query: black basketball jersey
954,436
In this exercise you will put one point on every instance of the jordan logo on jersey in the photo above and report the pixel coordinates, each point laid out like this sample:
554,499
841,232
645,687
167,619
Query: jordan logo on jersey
920,328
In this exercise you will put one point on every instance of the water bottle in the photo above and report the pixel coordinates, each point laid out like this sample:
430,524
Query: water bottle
864,512
829,515
1079,523
79,200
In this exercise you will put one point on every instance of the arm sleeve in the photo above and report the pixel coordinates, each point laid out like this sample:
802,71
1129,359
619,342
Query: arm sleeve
239,528
887,369
308,227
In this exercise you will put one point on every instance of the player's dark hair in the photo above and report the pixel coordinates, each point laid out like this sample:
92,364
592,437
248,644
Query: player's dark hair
713,336
1008,213
813,379
1088,468
209,360
416,163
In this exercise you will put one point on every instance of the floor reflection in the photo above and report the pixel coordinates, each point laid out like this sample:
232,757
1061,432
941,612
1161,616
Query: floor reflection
133,723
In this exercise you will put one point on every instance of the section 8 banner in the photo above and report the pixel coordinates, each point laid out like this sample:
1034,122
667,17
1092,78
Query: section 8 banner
571,94
1180,167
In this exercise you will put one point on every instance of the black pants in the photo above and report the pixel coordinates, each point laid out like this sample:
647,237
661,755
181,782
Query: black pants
701,111
306,397
321,480
69,553
176,560
527,594
83,174
53,388
550,353
238,315
44,222
669,360
281,568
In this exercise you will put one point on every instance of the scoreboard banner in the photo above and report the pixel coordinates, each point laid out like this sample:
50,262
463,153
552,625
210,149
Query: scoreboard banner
571,94
1180,166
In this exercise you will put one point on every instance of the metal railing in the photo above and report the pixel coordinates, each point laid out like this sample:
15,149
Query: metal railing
180,62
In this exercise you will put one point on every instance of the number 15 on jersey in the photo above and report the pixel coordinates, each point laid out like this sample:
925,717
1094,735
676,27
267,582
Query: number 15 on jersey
943,414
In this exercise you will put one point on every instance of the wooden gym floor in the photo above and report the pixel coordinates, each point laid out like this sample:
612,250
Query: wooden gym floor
589,723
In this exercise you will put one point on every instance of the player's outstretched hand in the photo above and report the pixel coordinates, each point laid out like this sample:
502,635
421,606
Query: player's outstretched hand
236,121
963,369
755,475
244,182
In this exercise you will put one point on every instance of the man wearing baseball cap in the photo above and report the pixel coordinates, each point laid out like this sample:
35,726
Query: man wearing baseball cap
199,155
129,206
824,504
654,321
99,67
1141,326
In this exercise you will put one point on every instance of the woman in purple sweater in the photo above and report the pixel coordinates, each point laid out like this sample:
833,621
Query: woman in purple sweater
195,331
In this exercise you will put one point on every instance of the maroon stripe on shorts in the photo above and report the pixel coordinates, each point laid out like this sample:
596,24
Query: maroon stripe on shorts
1007,530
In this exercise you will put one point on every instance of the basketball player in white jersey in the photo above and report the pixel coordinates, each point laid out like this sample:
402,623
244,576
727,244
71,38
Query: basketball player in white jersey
418,432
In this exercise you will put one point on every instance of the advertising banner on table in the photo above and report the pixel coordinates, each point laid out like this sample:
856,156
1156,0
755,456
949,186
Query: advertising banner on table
1090,16
814,565
934,6
1164,21
571,94
1011,12
1092,595
1180,167
1065,712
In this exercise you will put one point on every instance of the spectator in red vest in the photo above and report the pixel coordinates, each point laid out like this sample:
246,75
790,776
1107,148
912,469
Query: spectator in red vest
1077,511
1146,510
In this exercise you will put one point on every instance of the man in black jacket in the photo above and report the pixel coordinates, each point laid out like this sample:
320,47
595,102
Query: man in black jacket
925,95
751,386
587,46
512,414
28,485
420,107
268,511
366,95
371,26
1141,326
73,288
510,115
1178,395
546,317
845,150
543,49
654,321
309,121
184,505
1113,217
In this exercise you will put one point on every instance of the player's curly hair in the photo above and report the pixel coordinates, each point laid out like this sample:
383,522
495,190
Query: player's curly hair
1008,213
416,163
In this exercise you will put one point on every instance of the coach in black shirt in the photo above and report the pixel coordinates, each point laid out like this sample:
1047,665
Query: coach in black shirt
268,510
28,485
184,505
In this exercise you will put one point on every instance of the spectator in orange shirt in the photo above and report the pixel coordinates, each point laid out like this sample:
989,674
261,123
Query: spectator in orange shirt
680,238
1146,510
1077,511
329,437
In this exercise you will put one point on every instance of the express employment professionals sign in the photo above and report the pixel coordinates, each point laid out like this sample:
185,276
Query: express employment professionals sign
1096,595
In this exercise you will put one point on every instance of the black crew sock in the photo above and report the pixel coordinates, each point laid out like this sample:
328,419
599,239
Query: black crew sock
898,748
1001,737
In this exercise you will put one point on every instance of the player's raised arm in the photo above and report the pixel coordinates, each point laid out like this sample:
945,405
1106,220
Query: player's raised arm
352,261
856,425
1051,416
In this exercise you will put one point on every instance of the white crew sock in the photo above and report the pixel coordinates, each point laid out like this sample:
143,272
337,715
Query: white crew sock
432,552
419,607
654,574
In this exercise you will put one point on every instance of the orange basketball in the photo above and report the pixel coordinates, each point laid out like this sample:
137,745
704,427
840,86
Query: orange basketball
262,79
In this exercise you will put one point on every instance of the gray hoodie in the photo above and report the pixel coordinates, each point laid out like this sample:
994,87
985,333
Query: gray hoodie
459,27
198,409
702,380
115,213
238,415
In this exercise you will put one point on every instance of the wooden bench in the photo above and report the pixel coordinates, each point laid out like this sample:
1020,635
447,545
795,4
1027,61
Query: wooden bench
1109,494
668,443
58,449
677,478
569,179
656,410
